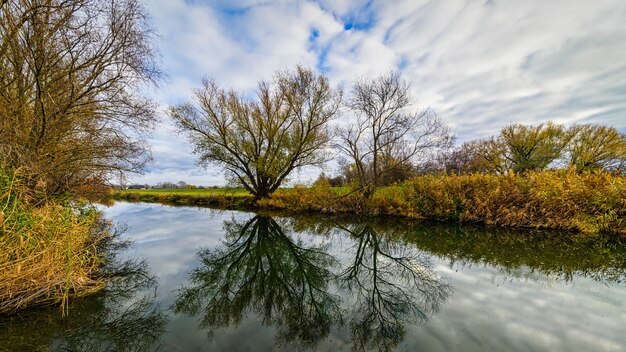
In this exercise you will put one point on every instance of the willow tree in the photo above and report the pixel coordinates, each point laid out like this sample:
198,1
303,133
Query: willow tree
596,147
260,141
70,73
534,147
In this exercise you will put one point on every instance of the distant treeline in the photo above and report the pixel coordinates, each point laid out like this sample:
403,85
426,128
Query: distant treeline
166,185
516,149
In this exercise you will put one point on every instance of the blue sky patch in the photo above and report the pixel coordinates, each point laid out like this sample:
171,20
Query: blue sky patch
361,19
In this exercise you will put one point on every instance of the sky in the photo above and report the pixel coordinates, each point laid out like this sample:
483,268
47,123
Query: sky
479,64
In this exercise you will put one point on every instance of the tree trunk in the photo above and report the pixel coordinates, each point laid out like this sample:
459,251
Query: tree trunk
262,193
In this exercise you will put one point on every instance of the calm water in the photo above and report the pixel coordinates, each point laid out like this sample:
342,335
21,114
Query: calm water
234,281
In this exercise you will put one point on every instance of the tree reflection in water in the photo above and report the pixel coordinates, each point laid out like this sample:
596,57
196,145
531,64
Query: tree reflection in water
393,284
262,269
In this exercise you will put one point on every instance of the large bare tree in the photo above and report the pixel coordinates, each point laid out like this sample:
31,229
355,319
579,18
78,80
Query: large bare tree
260,142
385,134
70,76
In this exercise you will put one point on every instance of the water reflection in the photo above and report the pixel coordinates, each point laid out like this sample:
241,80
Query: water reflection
525,253
119,319
262,269
394,285
302,290
514,252
335,283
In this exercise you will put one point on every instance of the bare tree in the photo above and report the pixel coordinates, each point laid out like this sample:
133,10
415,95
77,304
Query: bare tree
70,73
463,159
260,142
385,134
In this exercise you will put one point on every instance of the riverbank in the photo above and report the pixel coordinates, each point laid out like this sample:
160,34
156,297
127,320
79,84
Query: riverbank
50,253
562,199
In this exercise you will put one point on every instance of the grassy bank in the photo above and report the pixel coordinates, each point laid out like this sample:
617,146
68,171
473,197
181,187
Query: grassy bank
222,198
565,200
49,253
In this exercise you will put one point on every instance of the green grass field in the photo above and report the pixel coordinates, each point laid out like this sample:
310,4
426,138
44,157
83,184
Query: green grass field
188,192
205,192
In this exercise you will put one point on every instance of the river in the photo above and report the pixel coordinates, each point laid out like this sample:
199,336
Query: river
198,279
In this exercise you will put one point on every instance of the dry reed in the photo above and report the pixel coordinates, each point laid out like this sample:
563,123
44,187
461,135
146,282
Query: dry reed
49,253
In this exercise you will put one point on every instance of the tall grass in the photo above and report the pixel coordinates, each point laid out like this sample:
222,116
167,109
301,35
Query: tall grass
48,253
567,200
587,202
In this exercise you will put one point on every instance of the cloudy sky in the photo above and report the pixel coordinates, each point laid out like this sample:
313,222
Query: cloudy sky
480,64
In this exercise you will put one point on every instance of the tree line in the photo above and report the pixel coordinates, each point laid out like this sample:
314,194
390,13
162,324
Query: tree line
521,148
382,139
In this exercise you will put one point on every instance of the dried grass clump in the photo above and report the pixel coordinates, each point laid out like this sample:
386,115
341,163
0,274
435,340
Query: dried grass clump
591,202
48,254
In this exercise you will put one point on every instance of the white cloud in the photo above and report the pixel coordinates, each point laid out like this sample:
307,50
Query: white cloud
478,64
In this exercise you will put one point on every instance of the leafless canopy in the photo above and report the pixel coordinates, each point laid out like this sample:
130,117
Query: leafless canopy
385,133
70,73
260,142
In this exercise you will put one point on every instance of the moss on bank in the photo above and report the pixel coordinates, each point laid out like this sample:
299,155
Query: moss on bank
49,252
562,199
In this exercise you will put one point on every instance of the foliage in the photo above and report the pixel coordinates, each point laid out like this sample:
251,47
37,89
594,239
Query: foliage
490,155
70,73
588,202
560,199
533,147
124,317
260,142
520,148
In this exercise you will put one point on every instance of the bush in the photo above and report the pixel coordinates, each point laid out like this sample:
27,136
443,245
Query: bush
588,202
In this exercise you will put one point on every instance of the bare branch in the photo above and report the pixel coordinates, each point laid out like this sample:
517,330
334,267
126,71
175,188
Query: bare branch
386,136
70,73
264,140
